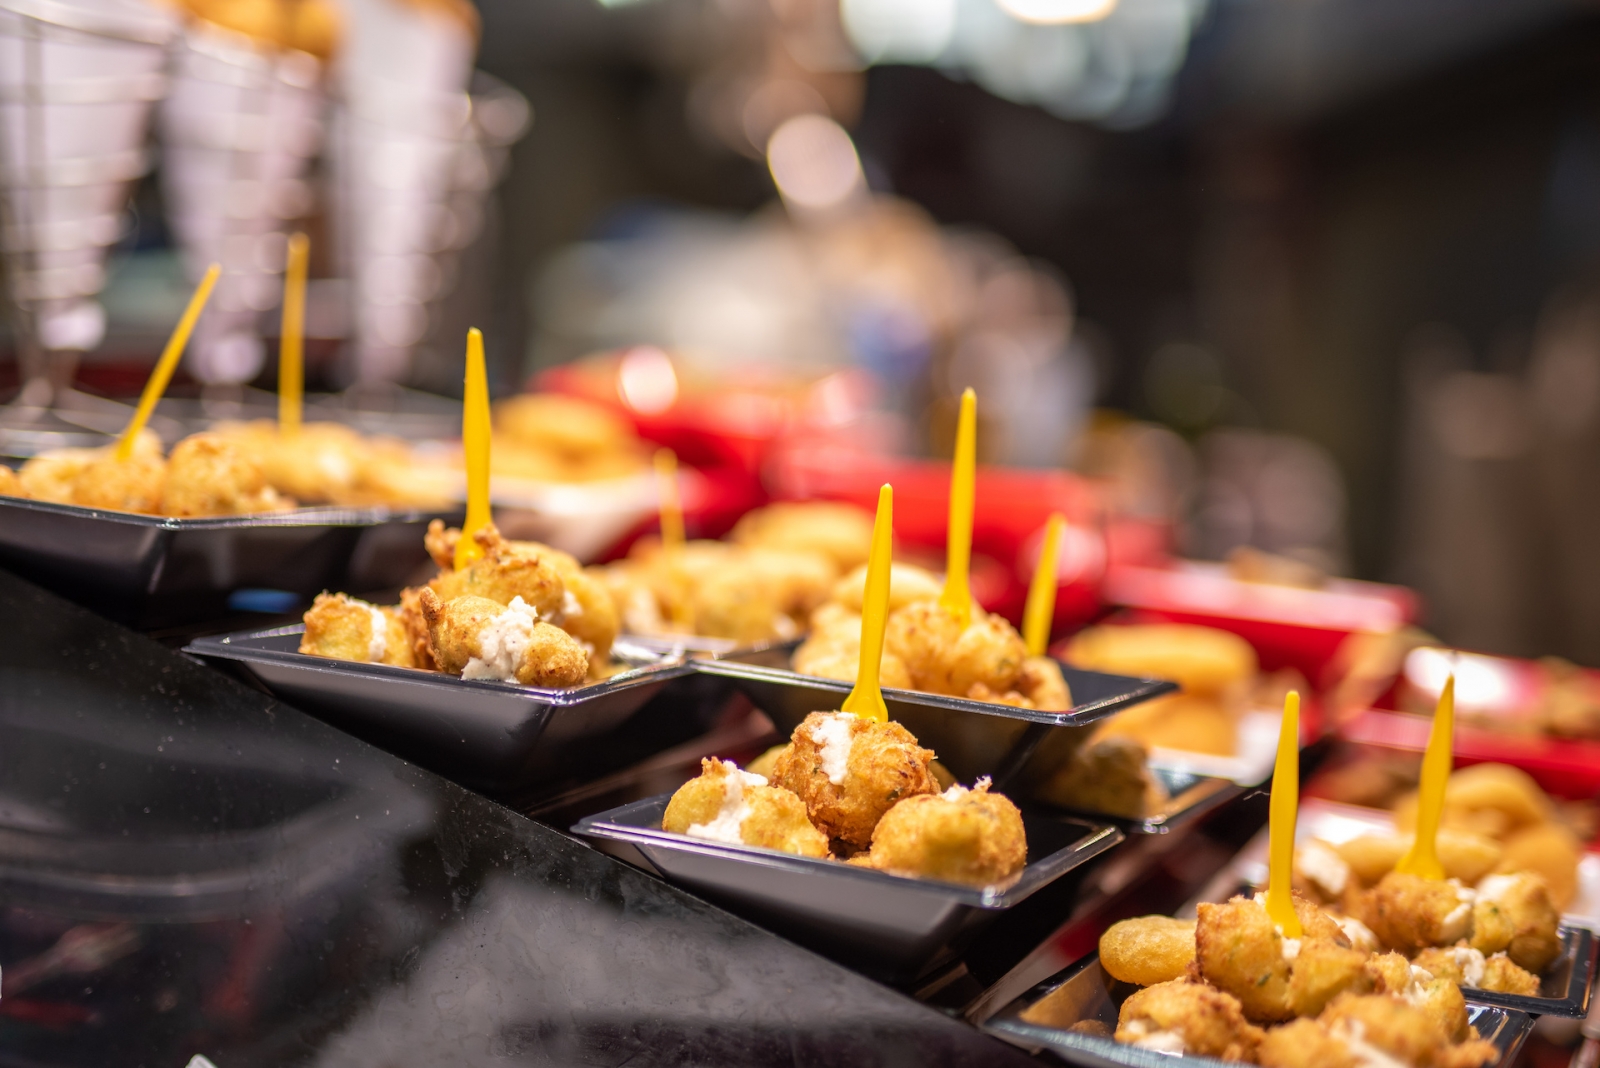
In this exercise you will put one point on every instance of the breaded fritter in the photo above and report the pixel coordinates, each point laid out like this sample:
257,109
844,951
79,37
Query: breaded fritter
944,657
1185,1017
836,654
1550,850
1464,855
1239,949
131,485
725,804
478,638
1514,913
505,571
849,771
1148,949
973,837
1408,912
1203,661
1466,966
10,484
840,532
344,628
1360,1030
1109,775
209,475
908,584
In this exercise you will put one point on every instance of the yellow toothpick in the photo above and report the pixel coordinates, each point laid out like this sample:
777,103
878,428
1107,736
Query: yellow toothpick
1280,816
291,346
157,384
475,442
671,506
1423,857
866,700
1041,609
957,596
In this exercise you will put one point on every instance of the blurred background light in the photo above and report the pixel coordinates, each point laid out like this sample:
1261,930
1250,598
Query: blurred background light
904,31
1053,12
814,163
646,380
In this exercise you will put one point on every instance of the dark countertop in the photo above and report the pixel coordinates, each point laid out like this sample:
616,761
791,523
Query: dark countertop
190,867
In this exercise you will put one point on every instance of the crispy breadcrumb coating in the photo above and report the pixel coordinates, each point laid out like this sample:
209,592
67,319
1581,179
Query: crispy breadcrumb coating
459,630
965,836
723,800
1203,1021
849,771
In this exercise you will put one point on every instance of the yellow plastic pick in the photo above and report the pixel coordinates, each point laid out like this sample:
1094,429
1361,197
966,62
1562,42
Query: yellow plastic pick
671,507
157,384
291,346
957,596
1280,816
866,700
475,441
1041,609
1423,858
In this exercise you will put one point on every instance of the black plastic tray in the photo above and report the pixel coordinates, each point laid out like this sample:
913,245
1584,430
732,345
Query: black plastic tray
972,738
497,737
887,925
152,571
1091,999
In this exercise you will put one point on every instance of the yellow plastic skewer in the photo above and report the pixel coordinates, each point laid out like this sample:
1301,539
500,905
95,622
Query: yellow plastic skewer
1041,609
671,506
291,346
1423,858
157,385
866,700
1280,815
475,442
957,596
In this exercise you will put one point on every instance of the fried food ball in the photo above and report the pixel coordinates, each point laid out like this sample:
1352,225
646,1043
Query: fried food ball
506,571
1184,1017
1201,660
1043,684
479,638
973,837
1464,855
945,657
1109,775
1148,949
1320,872
320,463
840,532
1466,966
1178,721
1365,1029
1238,949
801,578
131,485
1514,913
1306,1043
571,428
1408,912
837,655
51,475
1493,800
725,804
850,771
209,475
416,628
908,584
743,603
10,484
345,628
1550,850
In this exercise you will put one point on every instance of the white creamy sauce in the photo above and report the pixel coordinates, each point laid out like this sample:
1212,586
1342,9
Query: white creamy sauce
1353,1034
1496,887
957,791
1146,1038
378,644
1471,963
1291,948
1416,990
1324,867
1360,935
570,608
726,824
1456,922
834,739
502,642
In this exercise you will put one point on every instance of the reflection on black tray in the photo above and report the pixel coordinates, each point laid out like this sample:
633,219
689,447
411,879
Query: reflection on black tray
155,571
1083,1016
498,737
887,925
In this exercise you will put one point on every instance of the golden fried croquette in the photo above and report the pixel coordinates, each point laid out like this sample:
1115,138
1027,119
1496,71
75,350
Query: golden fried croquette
51,475
1466,966
344,628
569,427
1320,872
741,602
131,485
965,836
1368,1029
1464,855
10,484
1201,660
908,584
1148,949
1408,912
1514,913
440,541
840,532
1550,850
850,771
1184,1017
320,463
944,657
479,638
1306,1043
1493,800
801,578
1042,683
1109,775
1178,721
209,475
506,571
1239,949
725,804
836,654
409,613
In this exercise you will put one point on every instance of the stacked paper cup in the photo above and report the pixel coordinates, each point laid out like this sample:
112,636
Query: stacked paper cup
242,122
77,81
400,127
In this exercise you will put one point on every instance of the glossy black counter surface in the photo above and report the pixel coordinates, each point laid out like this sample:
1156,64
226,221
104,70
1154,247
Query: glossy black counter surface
188,867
